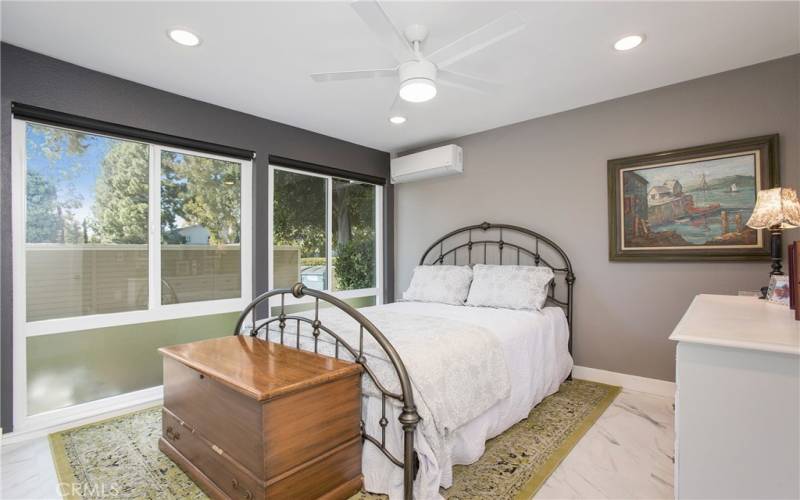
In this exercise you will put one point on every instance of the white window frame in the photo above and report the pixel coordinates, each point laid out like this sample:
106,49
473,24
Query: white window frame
155,311
377,291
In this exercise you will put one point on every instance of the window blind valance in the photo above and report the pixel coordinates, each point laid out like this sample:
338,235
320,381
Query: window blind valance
281,161
57,118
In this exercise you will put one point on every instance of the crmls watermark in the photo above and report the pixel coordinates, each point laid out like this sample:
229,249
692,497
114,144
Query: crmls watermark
90,490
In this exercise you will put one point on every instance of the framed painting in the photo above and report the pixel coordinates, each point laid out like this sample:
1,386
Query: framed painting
691,204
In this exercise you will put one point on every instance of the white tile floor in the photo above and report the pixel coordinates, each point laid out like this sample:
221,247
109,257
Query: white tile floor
627,454
27,471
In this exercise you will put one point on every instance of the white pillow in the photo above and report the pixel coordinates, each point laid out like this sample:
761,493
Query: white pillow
510,287
439,283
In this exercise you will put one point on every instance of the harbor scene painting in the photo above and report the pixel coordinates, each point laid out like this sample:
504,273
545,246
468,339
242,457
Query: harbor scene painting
703,202
691,203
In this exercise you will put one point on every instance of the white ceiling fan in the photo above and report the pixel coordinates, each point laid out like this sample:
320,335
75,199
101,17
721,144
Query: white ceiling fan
418,73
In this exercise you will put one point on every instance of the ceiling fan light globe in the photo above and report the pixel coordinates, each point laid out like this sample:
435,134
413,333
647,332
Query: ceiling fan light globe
417,90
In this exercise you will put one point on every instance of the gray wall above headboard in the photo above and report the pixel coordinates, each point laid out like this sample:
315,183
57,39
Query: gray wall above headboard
549,175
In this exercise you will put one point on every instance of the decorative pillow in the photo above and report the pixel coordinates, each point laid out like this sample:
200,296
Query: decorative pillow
445,284
511,287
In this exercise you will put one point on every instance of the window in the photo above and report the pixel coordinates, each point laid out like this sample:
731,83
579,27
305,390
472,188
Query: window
200,228
299,230
354,243
325,233
86,220
119,246
89,203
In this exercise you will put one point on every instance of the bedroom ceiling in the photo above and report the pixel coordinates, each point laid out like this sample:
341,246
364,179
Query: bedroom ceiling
257,57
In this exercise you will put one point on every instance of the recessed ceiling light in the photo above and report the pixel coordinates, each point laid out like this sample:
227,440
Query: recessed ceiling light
417,90
397,120
629,42
184,37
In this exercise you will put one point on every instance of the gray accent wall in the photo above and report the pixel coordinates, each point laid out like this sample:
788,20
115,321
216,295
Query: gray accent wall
38,80
549,174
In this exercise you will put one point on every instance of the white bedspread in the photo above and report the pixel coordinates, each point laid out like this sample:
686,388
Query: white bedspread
533,347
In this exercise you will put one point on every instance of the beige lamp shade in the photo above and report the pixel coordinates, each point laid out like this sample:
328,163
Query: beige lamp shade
776,208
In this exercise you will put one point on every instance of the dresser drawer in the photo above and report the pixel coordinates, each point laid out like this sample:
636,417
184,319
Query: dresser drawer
219,467
223,416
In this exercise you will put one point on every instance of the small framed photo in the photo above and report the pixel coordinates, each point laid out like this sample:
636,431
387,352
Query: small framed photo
778,291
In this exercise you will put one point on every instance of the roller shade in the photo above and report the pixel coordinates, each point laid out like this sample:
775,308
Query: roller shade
57,118
280,161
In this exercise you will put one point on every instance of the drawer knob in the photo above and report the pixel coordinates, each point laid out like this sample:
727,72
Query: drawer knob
171,434
248,495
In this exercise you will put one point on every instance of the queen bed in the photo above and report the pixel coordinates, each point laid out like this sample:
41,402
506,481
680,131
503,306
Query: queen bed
440,378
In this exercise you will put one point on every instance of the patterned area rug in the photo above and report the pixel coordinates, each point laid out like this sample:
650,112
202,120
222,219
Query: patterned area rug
119,458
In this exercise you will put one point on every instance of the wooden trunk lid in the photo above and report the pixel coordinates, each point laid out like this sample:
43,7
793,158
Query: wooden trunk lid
257,368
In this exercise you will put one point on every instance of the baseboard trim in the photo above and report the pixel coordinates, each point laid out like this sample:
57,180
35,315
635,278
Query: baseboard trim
628,382
86,413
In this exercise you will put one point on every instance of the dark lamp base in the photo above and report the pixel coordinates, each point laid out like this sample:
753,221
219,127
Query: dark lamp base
775,253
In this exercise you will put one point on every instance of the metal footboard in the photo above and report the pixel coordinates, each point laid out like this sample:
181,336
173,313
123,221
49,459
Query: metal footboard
409,417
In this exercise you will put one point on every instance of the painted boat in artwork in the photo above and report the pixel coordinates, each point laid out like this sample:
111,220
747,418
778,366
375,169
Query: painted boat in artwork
702,211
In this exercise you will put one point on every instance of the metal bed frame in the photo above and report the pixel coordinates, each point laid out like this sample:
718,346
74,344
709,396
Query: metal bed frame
440,252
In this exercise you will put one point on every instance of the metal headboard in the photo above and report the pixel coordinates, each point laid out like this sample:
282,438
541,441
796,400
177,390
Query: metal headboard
511,246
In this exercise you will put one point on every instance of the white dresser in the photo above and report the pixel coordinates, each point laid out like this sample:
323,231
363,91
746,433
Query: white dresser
737,415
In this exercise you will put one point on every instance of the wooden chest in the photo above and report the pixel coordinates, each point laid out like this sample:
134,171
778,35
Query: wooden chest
250,419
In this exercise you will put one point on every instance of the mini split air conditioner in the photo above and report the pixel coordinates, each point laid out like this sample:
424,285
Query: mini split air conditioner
446,160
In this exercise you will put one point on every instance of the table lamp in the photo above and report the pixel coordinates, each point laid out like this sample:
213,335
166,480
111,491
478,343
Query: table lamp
776,209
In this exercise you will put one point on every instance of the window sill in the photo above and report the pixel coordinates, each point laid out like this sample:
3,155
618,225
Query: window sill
342,294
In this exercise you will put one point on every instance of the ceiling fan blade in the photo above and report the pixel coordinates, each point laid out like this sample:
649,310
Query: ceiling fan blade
373,15
353,75
398,107
488,34
461,81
